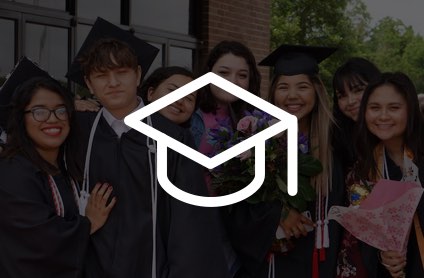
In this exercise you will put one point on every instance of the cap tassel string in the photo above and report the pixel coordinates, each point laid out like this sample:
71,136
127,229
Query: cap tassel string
271,265
322,239
318,237
326,240
154,192
85,191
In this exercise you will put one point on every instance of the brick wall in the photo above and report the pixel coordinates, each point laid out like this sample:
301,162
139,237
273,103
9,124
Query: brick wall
247,21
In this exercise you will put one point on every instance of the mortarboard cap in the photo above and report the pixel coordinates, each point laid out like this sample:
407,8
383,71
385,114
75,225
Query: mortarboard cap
257,141
103,29
25,69
297,59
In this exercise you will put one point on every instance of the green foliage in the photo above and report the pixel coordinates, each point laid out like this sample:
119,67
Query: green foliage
339,23
236,173
391,45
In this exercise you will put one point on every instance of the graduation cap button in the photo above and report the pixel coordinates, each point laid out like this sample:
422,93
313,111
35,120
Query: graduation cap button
286,122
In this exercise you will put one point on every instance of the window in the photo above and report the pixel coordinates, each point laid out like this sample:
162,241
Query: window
44,30
7,53
82,32
48,46
169,15
158,62
182,57
107,9
53,4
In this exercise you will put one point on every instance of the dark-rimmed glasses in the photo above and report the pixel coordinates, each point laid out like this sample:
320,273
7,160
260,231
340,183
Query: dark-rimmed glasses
41,114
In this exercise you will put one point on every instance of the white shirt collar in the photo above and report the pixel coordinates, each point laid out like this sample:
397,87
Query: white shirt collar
118,125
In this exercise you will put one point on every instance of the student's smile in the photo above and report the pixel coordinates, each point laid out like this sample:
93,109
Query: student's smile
295,94
53,131
48,135
180,111
386,113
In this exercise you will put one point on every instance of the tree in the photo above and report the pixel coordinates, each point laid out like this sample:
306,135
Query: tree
413,62
393,46
340,23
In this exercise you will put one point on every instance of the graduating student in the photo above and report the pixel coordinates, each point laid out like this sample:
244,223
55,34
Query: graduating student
349,83
297,88
42,233
235,62
162,82
150,234
245,222
389,146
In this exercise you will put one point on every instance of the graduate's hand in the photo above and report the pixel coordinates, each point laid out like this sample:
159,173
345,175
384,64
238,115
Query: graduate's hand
98,209
394,262
87,105
293,224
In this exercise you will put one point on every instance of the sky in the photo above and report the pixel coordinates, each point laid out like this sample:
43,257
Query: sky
411,12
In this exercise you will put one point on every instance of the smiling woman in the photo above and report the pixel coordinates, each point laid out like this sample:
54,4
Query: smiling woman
349,83
298,89
162,82
389,146
46,121
38,189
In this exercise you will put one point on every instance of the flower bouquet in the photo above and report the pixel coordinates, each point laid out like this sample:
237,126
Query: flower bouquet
237,173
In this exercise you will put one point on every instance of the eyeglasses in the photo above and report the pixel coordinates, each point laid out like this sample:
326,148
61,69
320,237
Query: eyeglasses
43,114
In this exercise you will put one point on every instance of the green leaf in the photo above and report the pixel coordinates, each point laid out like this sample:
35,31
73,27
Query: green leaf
297,202
308,165
281,184
305,189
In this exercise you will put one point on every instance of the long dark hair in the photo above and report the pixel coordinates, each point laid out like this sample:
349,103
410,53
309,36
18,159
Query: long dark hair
18,140
158,76
207,102
356,71
321,124
366,141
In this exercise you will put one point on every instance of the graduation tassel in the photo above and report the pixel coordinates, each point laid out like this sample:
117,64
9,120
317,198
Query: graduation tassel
318,240
318,233
318,246
315,272
82,201
326,242
152,154
322,254
271,266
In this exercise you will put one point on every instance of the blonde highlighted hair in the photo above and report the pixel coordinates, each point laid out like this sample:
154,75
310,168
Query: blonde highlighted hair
320,128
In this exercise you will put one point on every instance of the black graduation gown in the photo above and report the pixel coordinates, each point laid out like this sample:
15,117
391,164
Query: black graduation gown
298,261
251,230
34,241
188,237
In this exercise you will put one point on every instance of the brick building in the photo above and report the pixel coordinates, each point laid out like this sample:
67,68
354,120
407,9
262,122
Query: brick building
50,32
245,21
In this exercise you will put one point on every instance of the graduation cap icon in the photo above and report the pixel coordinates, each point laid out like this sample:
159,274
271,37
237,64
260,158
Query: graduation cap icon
103,29
286,122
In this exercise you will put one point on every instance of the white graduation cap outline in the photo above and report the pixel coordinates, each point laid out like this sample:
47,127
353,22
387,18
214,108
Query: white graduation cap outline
287,122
